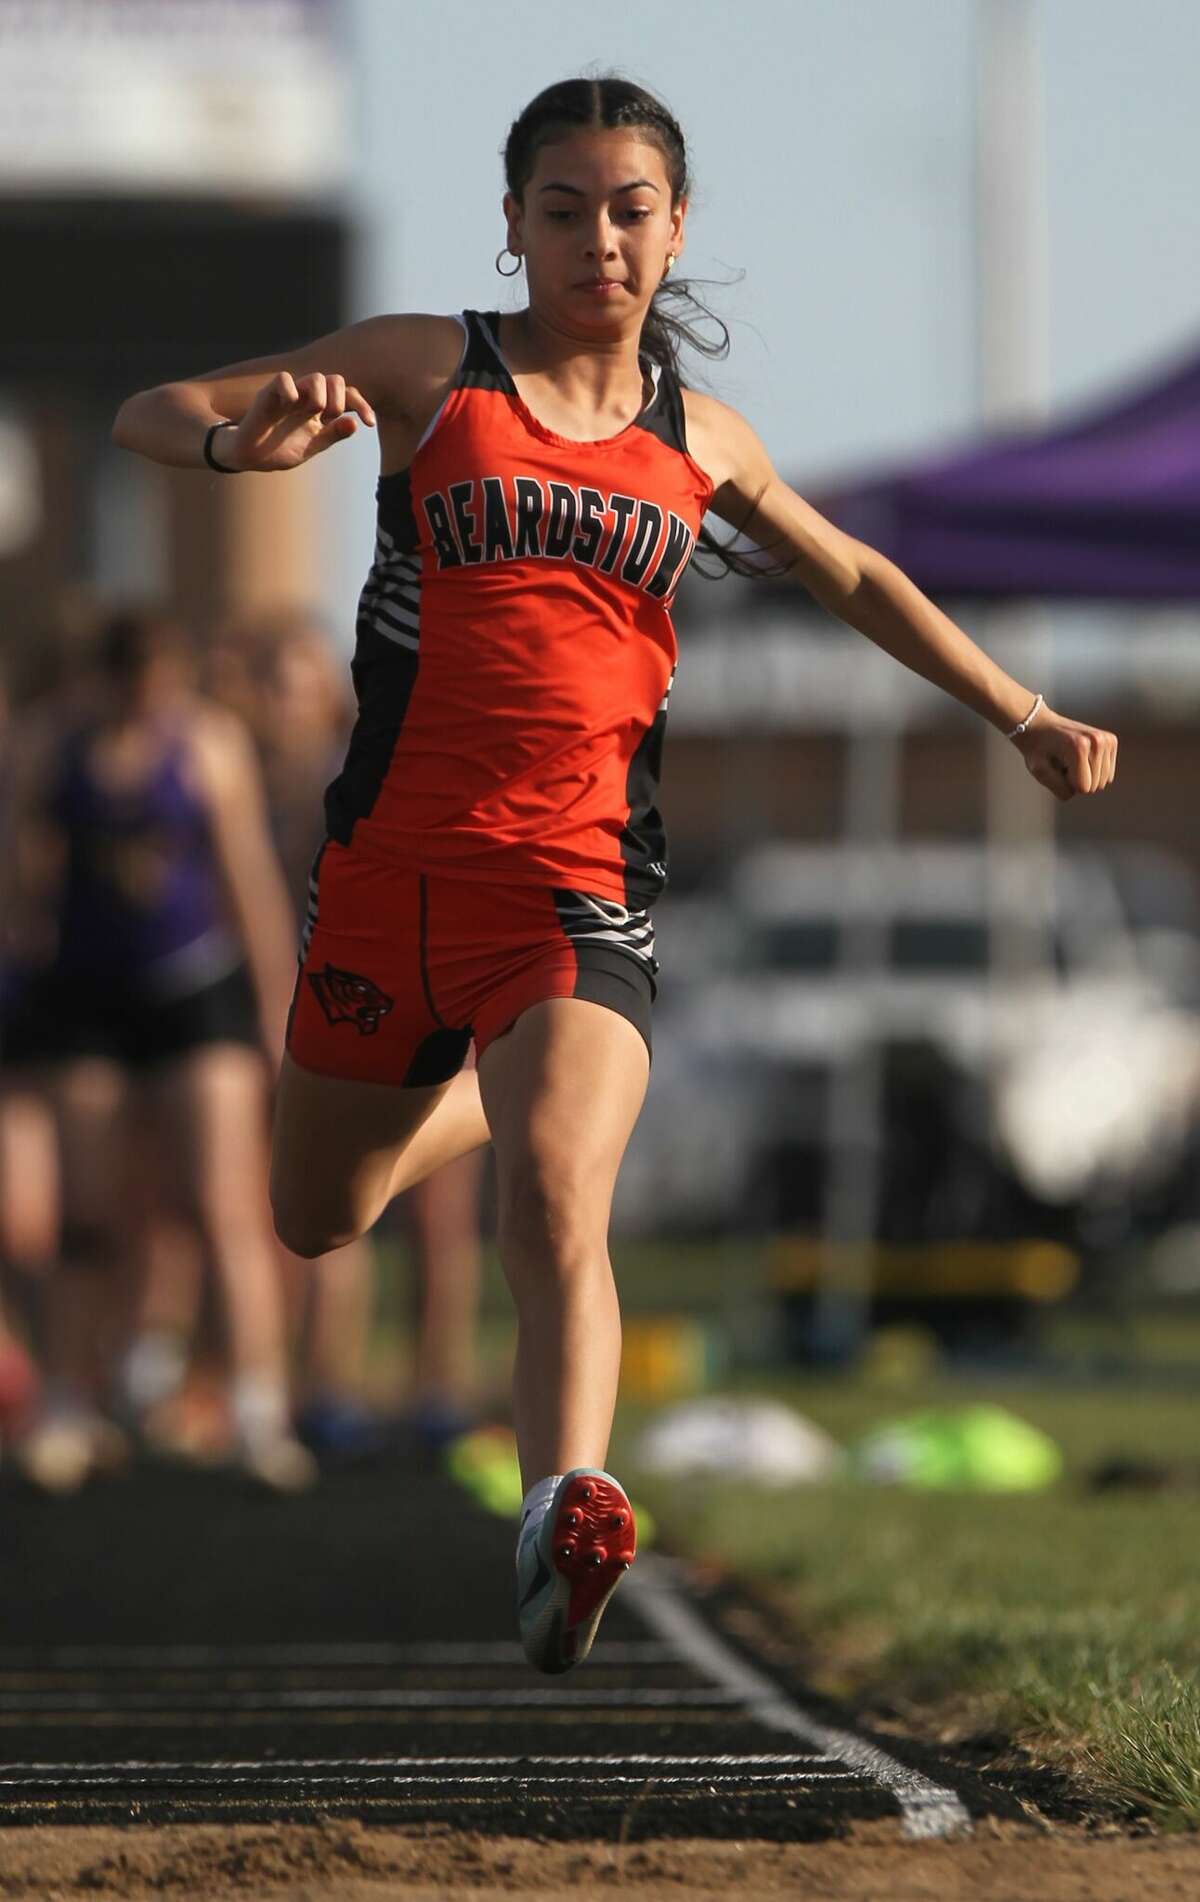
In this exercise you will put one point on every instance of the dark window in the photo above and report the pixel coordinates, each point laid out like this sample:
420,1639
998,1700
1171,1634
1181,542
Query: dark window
939,944
796,944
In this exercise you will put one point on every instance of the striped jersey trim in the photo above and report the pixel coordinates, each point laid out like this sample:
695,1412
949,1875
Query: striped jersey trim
390,603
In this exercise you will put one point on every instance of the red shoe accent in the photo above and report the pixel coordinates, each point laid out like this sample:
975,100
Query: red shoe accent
594,1544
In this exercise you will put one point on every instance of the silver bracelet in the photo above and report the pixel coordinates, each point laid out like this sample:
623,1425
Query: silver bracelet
1027,721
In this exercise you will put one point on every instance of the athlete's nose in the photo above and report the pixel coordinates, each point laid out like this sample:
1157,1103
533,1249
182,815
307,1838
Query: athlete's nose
600,241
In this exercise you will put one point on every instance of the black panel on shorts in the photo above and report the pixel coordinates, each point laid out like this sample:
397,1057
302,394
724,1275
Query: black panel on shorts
438,1057
621,983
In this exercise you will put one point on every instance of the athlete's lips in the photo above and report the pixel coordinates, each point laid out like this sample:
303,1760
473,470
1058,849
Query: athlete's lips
599,284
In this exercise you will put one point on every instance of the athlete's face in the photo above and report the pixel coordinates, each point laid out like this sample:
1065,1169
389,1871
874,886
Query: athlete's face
596,227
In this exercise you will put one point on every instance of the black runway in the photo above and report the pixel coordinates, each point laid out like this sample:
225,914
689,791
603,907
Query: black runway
175,1646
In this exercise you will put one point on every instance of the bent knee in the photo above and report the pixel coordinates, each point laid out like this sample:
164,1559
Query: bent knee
311,1232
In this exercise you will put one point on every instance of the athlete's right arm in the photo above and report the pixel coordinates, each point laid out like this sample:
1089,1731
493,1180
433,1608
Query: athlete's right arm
289,407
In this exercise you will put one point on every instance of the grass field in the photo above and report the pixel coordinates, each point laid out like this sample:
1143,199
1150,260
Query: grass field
1065,1624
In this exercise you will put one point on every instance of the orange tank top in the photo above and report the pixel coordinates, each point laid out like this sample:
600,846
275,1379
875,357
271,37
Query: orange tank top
515,652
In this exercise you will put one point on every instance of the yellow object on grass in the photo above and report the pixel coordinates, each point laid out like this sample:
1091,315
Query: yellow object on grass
665,1356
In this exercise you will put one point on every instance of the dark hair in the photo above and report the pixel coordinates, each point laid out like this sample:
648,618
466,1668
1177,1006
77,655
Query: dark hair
133,638
611,102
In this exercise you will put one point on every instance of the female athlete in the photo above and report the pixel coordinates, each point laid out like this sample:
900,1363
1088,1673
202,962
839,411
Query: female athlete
493,841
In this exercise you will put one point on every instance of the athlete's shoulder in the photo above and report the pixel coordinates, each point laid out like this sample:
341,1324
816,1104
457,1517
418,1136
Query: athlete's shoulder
724,444
409,360
410,354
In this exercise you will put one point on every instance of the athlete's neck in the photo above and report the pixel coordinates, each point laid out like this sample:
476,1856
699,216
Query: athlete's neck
587,372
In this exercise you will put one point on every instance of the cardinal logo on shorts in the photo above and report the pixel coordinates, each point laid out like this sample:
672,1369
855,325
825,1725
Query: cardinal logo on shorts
347,998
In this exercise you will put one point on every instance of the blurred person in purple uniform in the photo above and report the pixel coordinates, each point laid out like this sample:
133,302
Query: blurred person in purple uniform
47,683
168,972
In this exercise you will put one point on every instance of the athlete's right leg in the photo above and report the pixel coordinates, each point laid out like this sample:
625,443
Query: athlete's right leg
343,1149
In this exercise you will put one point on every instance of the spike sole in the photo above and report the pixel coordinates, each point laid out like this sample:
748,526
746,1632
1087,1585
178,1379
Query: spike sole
588,1540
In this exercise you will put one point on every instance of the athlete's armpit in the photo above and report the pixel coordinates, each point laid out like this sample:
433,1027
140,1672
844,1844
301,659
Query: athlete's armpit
751,496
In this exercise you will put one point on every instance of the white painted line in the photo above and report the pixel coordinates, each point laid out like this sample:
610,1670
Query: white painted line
218,1766
928,1809
704,1779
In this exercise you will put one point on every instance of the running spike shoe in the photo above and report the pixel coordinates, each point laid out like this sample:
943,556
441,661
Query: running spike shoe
569,1563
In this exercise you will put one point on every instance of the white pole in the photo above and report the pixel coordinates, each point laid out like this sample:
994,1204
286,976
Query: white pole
1013,273
1014,345
1013,215
853,1134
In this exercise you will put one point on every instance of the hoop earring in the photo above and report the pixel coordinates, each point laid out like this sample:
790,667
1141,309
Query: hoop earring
507,253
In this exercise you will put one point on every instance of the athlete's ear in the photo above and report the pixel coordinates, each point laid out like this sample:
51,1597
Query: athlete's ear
678,217
514,217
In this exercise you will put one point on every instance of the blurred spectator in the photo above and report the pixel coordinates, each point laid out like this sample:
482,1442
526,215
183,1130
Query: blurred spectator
304,710
45,682
443,1224
23,1152
281,668
229,671
145,880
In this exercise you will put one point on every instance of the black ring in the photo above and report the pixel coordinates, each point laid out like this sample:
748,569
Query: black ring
209,458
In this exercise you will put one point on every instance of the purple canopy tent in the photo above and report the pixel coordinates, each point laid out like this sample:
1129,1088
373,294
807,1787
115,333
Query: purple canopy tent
1103,508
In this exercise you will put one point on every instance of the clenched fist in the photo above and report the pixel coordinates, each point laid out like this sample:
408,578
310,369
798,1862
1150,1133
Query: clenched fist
1068,757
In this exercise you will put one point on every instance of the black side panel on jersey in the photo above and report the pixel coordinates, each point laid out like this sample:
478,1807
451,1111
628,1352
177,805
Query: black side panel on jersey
664,416
386,656
643,836
482,367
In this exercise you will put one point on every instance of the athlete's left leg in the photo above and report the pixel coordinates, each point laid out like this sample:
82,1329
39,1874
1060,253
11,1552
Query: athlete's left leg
561,1091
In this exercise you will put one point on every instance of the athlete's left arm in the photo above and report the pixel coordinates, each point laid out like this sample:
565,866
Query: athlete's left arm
248,863
870,593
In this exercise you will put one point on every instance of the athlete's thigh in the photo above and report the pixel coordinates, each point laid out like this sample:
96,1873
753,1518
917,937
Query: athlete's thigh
334,1151
89,1097
562,1091
30,1177
209,1107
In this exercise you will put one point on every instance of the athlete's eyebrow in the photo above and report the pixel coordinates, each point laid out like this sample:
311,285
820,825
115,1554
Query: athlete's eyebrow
635,184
